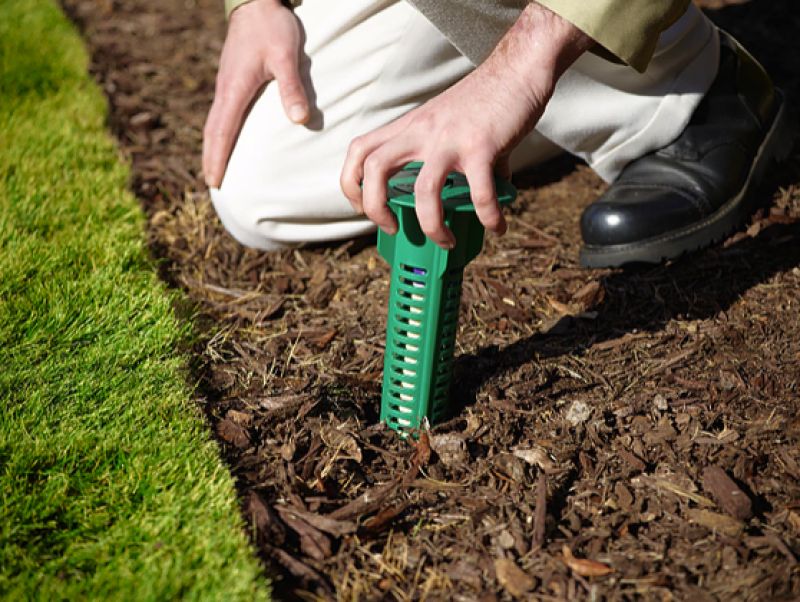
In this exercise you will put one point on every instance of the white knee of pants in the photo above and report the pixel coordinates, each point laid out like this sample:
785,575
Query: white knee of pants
609,115
231,215
271,221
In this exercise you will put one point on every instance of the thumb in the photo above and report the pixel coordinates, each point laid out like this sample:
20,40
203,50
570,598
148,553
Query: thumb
292,91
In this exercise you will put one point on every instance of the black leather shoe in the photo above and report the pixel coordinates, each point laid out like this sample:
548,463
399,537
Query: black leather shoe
697,190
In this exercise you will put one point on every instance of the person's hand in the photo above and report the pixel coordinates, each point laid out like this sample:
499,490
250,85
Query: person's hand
263,44
471,127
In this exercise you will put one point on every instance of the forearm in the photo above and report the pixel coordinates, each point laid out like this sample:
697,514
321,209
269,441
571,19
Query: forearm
539,48
623,29
530,59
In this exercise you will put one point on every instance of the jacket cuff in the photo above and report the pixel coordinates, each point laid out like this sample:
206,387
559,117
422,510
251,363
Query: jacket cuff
628,30
232,5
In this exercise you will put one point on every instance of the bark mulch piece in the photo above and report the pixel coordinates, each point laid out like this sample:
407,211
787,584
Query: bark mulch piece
620,434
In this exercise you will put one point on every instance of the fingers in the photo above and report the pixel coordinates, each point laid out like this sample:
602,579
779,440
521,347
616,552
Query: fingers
484,197
373,158
428,191
377,169
360,149
222,128
353,172
292,90
231,102
379,164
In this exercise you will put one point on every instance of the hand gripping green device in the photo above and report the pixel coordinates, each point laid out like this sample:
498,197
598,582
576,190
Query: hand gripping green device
424,298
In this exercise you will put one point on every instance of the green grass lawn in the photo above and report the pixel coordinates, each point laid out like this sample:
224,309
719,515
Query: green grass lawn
110,487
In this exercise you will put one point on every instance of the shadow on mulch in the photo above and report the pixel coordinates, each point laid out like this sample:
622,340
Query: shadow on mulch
644,420
644,301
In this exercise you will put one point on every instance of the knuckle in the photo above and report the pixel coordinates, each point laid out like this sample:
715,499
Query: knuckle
425,186
478,148
374,210
433,231
349,193
283,57
358,147
374,163
230,87
370,203
230,94
345,184
290,88
483,199
422,119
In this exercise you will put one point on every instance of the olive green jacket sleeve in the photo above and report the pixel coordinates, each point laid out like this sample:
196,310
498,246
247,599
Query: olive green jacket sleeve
230,5
627,29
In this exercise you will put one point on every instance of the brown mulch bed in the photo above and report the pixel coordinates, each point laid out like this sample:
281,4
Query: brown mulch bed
620,434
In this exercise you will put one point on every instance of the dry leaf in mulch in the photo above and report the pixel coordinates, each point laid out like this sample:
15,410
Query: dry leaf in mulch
583,566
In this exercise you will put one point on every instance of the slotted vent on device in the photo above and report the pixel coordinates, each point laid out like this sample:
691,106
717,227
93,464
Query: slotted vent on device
407,338
422,341
451,296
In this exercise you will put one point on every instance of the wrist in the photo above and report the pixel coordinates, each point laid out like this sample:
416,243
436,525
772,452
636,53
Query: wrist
560,42
539,48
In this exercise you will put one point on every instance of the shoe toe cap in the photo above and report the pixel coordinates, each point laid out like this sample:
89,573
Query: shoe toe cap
630,214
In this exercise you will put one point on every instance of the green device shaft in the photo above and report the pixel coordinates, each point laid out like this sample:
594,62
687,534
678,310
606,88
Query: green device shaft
424,298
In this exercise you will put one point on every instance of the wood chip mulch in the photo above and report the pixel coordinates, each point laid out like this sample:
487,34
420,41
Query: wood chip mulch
621,435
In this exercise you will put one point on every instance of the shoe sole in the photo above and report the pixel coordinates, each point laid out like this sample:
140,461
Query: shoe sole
776,147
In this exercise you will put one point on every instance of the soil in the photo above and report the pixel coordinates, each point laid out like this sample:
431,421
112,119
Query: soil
619,434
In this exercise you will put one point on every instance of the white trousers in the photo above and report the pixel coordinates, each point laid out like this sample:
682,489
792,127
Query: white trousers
371,61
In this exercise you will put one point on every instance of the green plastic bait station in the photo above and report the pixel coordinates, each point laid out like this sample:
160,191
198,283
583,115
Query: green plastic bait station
425,294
